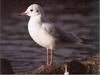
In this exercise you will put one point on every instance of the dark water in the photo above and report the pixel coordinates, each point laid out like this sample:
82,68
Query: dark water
17,46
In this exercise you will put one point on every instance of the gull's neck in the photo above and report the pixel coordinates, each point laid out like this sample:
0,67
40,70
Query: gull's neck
39,18
34,24
36,19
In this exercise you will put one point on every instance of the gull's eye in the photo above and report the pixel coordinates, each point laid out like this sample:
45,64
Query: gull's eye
31,10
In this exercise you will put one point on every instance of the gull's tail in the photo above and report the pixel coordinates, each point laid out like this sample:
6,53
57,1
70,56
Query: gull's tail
85,40
78,42
79,45
85,43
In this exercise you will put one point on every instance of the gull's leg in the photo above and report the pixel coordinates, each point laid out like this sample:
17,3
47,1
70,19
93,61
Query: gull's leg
51,53
49,57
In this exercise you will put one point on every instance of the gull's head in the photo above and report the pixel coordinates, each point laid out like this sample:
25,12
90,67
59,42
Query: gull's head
33,10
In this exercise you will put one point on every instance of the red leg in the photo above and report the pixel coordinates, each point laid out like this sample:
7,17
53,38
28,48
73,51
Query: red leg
49,57
51,62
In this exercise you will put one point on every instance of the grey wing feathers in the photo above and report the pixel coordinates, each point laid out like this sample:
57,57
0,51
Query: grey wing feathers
60,35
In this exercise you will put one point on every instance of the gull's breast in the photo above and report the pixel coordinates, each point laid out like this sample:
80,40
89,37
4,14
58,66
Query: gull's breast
41,37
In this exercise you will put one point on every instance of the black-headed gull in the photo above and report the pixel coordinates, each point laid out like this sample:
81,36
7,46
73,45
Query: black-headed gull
47,34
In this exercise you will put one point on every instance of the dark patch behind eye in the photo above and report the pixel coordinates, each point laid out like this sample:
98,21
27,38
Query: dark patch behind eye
37,11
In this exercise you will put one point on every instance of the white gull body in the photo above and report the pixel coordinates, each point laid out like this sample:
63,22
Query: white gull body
47,34
39,35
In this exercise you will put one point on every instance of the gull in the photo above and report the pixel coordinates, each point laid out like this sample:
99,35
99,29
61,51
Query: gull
47,34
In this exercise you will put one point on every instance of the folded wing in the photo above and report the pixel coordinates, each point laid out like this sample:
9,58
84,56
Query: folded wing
60,35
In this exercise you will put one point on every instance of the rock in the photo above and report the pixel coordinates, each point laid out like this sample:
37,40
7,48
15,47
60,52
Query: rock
6,67
44,69
74,67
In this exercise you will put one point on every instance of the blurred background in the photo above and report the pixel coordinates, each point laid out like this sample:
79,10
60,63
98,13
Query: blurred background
77,16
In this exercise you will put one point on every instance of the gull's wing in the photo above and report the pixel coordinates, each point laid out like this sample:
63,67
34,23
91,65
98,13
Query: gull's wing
59,34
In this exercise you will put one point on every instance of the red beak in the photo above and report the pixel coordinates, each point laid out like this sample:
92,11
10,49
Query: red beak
23,14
